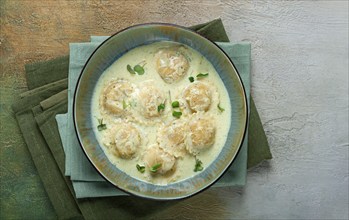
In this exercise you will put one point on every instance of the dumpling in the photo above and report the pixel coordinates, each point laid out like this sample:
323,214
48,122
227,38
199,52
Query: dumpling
202,131
171,64
150,98
158,161
198,96
115,95
171,138
127,140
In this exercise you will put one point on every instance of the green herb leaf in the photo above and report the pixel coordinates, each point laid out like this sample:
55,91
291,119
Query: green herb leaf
175,104
191,79
220,108
201,75
124,105
176,114
155,168
198,165
101,126
139,69
130,70
140,168
161,107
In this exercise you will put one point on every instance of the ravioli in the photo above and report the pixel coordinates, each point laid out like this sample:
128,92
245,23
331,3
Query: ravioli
149,98
126,140
171,64
158,161
156,117
198,96
171,137
115,95
202,131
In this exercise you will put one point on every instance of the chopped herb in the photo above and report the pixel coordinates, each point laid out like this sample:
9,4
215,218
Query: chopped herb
220,108
176,114
139,69
191,79
130,70
175,104
161,107
155,168
140,168
201,75
124,105
198,165
101,126
136,69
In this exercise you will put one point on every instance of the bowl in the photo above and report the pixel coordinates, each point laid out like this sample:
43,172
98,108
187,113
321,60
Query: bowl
112,49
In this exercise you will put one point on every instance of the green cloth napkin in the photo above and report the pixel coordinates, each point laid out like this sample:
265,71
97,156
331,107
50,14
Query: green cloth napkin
56,185
49,158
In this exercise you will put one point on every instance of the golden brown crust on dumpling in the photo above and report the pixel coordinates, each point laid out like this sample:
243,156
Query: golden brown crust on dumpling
198,96
127,140
150,98
115,95
154,155
202,132
171,64
172,136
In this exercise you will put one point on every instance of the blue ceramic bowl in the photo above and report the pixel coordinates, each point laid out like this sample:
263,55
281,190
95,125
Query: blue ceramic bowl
113,48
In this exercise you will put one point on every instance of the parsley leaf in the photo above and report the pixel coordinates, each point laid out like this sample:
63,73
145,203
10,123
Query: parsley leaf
220,108
161,107
101,126
198,165
136,69
201,75
155,168
175,104
176,114
130,70
124,105
139,69
140,168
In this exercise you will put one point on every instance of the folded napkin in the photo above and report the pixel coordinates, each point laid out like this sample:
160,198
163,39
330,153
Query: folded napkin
35,114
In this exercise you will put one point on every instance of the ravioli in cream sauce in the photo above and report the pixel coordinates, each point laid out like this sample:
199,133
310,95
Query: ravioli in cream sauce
159,107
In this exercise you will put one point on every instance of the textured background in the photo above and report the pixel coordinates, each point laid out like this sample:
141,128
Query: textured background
299,82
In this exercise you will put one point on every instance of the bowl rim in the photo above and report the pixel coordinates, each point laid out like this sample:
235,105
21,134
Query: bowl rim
245,102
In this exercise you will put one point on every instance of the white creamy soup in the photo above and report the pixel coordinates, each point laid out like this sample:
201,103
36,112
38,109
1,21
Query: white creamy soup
161,113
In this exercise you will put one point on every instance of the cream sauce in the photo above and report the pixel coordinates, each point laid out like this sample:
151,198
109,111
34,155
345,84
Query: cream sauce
149,128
